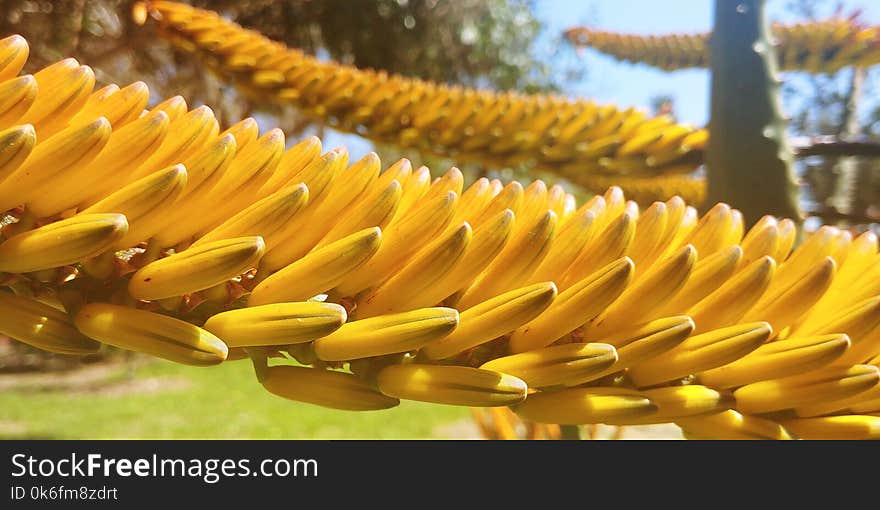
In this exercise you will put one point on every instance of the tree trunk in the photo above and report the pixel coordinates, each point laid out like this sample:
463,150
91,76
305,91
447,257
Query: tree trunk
748,161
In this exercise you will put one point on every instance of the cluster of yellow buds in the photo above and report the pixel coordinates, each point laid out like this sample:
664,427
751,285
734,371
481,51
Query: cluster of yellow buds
645,190
577,137
817,47
149,229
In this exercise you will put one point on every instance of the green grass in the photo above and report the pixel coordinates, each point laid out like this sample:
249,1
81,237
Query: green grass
164,400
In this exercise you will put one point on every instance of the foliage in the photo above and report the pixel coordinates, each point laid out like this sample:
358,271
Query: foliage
471,42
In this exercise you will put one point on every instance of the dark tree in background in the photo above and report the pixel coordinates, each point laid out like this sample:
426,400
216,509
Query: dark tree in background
471,42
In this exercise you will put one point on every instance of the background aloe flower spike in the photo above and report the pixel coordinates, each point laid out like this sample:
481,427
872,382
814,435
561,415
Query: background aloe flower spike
204,246
824,46
577,138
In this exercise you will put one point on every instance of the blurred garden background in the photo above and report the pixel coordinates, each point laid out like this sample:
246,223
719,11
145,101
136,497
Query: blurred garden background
493,44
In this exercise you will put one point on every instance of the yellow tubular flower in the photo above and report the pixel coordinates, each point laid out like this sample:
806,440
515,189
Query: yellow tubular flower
468,124
392,285
817,47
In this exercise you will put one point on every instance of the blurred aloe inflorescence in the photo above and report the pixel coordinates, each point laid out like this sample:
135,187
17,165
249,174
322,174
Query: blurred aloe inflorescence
576,138
159,233
817,47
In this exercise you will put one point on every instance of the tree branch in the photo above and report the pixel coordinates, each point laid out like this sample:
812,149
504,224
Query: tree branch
835,146
829,213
